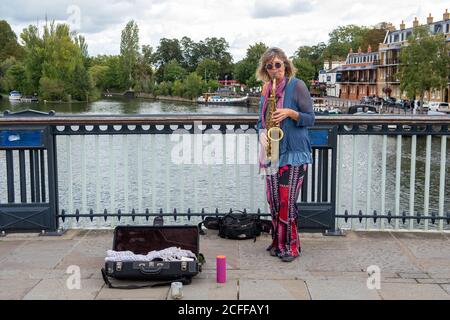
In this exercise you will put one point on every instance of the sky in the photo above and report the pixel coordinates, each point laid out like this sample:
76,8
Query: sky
287,24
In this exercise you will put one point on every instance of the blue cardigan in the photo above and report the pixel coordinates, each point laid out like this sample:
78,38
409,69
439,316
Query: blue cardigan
295,147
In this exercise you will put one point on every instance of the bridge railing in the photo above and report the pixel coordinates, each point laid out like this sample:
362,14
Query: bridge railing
370,172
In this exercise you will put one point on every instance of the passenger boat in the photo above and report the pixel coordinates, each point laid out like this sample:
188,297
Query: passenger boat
213,98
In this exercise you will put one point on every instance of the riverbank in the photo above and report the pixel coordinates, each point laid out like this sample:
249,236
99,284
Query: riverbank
143,95
253,101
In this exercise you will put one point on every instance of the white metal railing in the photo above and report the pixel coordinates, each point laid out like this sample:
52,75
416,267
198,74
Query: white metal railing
392,183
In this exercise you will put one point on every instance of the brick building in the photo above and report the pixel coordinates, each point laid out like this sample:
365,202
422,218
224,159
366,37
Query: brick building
389,52
359,75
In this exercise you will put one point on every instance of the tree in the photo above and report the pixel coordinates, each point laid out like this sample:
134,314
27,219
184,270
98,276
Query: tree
129,51
168,49
51,89
9,46
217,49
81,43
144,70
97,74
314,54
193,85
373,37
173,71
113,75
255,52
424,63
55,61
178,88
208,69
34,56
305,70
80,84
244,70
16,78
342,39
190,53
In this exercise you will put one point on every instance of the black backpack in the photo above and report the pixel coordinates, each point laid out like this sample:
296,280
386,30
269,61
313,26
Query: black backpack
237,225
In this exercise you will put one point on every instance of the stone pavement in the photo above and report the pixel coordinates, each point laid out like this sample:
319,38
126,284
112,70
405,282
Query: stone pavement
412,266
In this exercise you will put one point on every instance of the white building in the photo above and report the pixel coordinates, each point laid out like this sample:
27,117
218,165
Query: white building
331,77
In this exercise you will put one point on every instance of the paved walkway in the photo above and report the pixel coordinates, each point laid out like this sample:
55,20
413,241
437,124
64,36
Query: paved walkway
412,265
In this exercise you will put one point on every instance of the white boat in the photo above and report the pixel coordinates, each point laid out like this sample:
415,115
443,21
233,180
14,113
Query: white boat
326,111
15,96
209,98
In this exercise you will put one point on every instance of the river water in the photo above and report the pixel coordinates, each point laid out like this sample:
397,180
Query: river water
163,184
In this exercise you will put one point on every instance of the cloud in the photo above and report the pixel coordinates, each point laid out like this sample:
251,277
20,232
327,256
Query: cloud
90,16
285,23
269,9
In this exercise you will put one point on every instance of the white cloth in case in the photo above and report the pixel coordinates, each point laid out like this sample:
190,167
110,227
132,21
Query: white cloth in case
168,254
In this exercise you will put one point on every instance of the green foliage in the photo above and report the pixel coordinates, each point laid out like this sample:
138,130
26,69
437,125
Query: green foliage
97,74
173,71
190,54
424,63
55,63
245,70
305,69
211,85
16,78
314,54
51,89
208,69
80,83
9,47
343,38
178,88
129,52
193,85
163,89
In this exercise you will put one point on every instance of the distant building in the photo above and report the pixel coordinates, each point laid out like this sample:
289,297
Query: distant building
330,76
389,52
358,75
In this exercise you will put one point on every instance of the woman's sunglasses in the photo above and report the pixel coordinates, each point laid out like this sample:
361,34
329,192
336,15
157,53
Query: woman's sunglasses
270,66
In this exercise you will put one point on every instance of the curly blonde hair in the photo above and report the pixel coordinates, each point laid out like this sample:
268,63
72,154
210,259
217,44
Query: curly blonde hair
269,55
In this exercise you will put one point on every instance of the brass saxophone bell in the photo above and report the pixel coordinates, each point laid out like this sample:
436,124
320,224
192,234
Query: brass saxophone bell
274,132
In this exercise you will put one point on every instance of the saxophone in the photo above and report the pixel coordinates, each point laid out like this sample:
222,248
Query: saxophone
274,132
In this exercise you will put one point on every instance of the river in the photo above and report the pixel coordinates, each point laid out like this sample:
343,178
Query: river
217,185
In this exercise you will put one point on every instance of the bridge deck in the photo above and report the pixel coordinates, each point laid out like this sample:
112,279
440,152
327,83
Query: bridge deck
412,265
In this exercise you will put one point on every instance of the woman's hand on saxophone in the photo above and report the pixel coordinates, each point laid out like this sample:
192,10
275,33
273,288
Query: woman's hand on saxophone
281,114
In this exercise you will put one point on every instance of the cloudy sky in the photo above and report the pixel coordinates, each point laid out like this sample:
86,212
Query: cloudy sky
284,23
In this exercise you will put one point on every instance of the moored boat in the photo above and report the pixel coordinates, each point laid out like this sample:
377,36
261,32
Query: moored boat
15,96
209,98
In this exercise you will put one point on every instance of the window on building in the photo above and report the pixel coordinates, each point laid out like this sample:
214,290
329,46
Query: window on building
437,28
396,38
447,28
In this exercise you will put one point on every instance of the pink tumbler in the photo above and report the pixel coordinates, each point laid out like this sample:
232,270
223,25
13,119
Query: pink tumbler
221,269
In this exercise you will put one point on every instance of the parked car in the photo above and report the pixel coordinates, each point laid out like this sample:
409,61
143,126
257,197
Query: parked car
366,100
438,106
403,103
390,101
377,101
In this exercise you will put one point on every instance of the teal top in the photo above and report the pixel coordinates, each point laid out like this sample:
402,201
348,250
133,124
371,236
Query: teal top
295,147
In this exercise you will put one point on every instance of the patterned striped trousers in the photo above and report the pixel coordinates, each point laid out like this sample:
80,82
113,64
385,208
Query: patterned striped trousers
283,189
